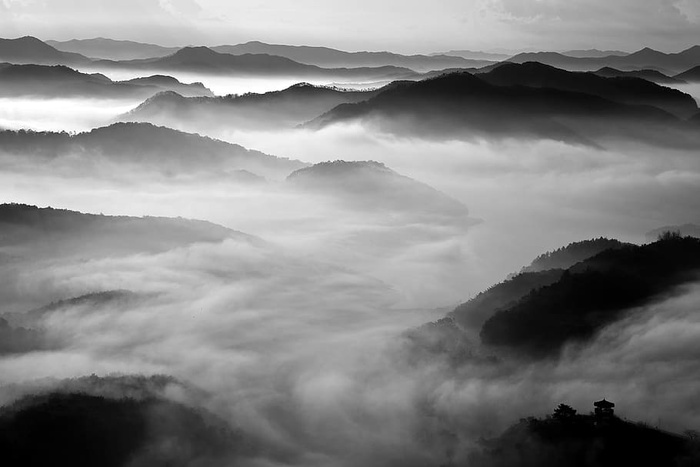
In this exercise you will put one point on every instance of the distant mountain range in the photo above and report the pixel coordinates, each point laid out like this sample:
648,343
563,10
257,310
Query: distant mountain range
594,53
61,81
647,58
625,91
101,48
207,60
110,49
279,109
476,55
30,50
148,147
649,75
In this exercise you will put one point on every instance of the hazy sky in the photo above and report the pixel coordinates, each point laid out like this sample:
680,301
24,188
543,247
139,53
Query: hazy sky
400,25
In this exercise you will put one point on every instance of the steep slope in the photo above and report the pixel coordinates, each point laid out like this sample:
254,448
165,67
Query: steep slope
691,76
592,294
472,314
145,146
567,256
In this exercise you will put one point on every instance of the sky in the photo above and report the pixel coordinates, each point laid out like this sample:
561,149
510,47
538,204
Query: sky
406,26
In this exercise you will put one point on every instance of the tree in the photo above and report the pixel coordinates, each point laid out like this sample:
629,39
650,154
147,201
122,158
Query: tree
564,413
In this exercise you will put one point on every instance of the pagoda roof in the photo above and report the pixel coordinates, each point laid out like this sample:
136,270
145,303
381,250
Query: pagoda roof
604,404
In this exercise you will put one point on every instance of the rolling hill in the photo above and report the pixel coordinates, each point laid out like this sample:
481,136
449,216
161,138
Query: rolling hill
642,59
617,89
331,58
206,60
279,109
466,106
60,81
144,146
30,50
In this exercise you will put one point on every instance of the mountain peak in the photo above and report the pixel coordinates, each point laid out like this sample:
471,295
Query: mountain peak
198,52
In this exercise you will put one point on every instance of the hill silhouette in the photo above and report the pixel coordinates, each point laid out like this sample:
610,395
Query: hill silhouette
148,147
691,76
645,58
94,427
567,256
649,75
545,270
592,294
369,185
30,232
61,81
278,109
593,53
206,60
30,50
463,105
472,314
332,58
685,230
110,49
618,89
567,439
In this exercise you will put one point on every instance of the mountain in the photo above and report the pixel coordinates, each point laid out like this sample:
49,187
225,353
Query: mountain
594,53
545,270
475,55
206,60
643,59
472,314
168,83
110,49
623,90
17,339
30,232
463,105
112,422
566,439
61,81
591,295
30,50
369,185
331,58
567,256
278,109
691,76
649,75
144,146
